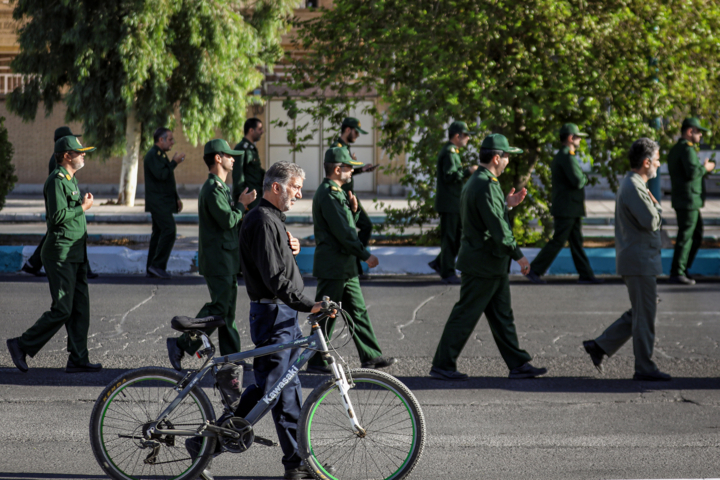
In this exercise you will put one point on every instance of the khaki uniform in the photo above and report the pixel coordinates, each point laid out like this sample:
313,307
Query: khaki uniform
64,255
161,200
486,248
247,172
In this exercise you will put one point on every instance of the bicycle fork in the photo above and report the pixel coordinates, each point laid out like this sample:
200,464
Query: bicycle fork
344,387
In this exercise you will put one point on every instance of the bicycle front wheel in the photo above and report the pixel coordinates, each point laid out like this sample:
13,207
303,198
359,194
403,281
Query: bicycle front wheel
385,408
124,410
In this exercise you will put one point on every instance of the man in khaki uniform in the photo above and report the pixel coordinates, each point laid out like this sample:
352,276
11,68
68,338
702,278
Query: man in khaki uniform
64,255
638,260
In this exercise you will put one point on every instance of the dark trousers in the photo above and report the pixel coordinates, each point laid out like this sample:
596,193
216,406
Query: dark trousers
477,296
365,227
272,325
688,241
637,323
349,293
223,301
450,235
35,259
70,308
567,229
161,240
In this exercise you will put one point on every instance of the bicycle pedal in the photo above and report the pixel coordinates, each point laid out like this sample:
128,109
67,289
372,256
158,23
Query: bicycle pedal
265,441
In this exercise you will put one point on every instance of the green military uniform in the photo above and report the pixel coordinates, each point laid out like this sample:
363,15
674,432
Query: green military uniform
161,200
450,178
688,197
486,248
247,171
335,265
218,255
64,255
568,209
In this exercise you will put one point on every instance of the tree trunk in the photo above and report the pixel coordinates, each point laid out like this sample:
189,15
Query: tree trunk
128,175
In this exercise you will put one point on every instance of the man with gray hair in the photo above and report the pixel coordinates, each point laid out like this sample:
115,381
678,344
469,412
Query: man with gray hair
637,248
275,287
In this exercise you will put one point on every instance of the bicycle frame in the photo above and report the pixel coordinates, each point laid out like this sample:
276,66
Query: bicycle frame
315,343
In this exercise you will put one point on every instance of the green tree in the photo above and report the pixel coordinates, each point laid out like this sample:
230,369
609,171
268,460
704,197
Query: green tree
517,67
7,169
125,67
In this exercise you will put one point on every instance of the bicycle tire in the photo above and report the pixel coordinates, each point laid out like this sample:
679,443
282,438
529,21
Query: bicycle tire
391,416
135,398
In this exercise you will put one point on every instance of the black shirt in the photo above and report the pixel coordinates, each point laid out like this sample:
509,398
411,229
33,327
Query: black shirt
267,261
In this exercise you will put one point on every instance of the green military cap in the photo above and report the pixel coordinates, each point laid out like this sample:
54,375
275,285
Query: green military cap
70,143
340,155
220,146
497,141
64,132
352,123
693,122
459,127
571,129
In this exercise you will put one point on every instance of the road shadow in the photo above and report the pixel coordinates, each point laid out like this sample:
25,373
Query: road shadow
75,476
108,279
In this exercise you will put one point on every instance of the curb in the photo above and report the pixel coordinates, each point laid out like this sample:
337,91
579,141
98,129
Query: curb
393,260
145,218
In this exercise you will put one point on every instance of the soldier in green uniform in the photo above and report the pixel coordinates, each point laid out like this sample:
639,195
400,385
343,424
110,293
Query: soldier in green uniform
687,176
486,248
161,200
218,251
248,172
450,179
349,132
34,264
568,210
64,255
335,265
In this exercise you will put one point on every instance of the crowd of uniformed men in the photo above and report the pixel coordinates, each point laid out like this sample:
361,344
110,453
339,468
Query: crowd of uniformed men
241,229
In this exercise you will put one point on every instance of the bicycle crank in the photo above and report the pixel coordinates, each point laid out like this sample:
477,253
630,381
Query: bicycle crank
243,439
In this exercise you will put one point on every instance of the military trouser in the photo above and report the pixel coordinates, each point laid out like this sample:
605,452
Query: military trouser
638,323
450,235
688,241
567,229
70,308
365,227
478,295
161,240
223,300
35,259
348,292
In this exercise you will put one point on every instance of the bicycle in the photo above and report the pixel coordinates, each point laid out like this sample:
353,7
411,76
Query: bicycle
156,423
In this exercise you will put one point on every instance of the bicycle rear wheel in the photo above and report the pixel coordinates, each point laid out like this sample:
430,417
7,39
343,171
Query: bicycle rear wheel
127,406
385,408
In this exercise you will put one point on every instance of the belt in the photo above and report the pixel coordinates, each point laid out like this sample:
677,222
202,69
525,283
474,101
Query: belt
275,301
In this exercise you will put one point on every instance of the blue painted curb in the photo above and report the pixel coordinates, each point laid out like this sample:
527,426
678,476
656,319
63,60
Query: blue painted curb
11,258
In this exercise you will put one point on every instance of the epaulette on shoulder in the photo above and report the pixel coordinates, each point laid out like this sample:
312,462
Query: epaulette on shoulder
494,179
336,189
60,175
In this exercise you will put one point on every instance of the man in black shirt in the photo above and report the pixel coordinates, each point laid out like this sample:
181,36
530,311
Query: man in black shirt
275,287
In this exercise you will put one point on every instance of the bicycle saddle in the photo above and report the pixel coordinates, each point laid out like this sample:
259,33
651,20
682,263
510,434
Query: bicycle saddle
184,324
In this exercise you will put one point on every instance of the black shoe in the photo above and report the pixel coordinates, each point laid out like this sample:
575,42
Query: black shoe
318,369
175,353
27,268
379,362
17,355
656,376
526,371
434,265
159,273
681,280
452,280
303,471
88,367
535,278
590,281
451,375
596,354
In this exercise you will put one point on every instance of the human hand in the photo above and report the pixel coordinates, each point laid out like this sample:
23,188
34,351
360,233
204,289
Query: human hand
353,156
179,158
372,261
353,202
319,306
246,198
709,166
180,205
652,197
524,265
87,202
369,168
294,243
514,199
472,168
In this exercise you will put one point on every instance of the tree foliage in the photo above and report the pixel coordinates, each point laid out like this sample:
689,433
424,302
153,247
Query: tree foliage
517,67
7,169
149,58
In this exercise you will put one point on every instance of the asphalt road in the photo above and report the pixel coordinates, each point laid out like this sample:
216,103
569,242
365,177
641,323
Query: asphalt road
573,424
